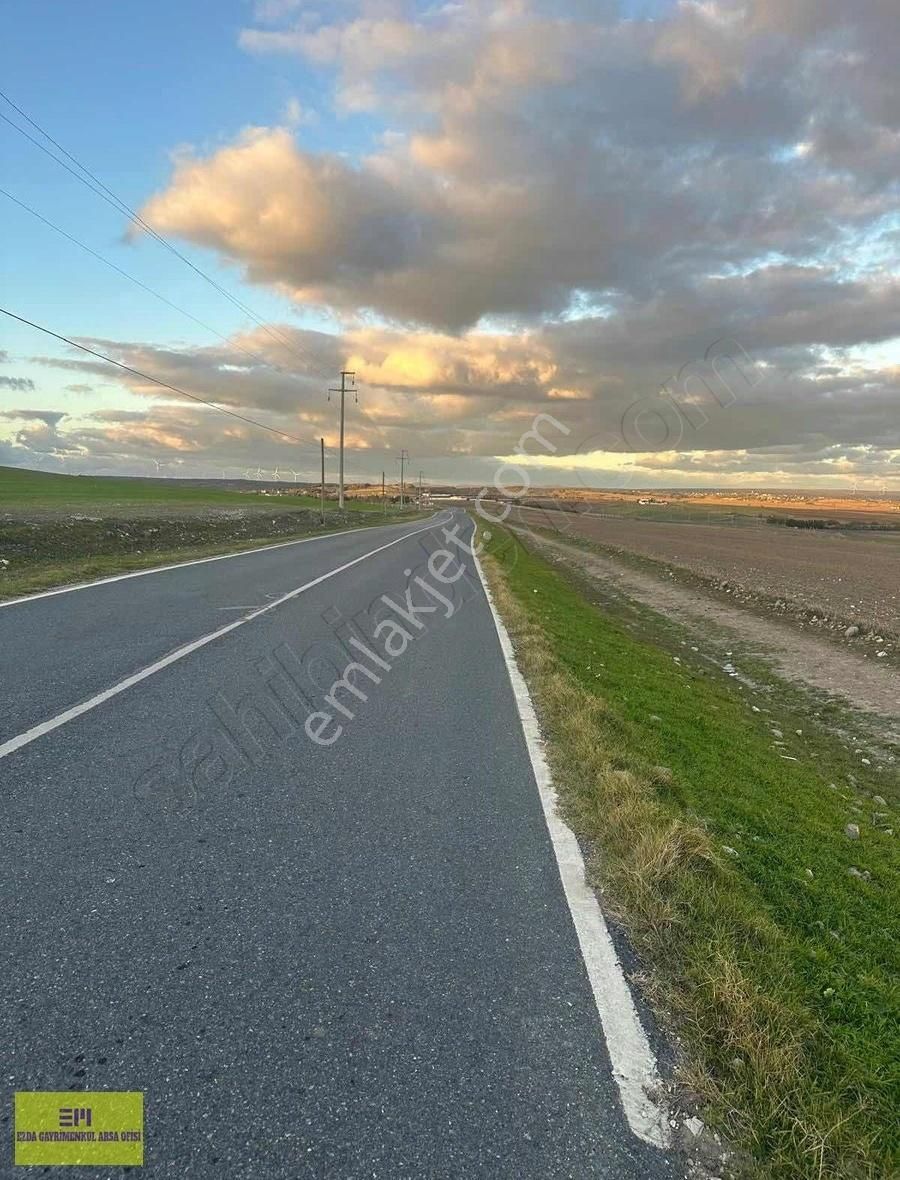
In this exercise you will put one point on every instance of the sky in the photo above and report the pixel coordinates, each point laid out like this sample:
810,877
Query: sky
603,242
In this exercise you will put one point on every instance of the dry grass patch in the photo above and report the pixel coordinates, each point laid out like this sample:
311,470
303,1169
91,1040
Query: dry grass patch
719,963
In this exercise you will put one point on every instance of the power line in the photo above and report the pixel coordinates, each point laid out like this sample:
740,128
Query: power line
403,458
345,373
93,182
139,283
96,185
149,377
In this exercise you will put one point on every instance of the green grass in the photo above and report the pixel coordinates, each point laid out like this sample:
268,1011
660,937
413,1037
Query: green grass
57,529
780,968
44,575
22,489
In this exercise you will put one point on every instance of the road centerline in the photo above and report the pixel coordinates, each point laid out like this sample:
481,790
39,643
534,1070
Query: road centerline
180,565
44,727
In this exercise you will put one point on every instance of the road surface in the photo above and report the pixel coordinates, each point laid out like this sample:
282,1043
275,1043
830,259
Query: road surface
338,953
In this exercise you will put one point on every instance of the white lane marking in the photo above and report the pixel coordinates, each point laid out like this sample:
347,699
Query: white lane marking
633,1061
180,565
45,727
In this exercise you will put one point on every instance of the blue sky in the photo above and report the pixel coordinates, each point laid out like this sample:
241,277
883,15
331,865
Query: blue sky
494,208
130,84
122,86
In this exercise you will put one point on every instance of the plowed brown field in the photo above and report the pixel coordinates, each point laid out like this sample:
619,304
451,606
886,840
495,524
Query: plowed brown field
844,577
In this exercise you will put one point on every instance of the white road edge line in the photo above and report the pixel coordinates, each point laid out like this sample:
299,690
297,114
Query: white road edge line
36,731
180,565
633,1061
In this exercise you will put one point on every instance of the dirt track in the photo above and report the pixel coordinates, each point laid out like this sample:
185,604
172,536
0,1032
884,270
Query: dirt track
840,578
867,685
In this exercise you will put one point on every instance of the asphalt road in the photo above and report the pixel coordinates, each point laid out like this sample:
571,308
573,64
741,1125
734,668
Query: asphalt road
344,960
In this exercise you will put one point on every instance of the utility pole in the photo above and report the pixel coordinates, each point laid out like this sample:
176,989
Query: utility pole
383,500
404,455
420,492
345,373
322,441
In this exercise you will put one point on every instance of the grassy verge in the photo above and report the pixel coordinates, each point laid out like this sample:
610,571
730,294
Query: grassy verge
729,867
763,602
57,553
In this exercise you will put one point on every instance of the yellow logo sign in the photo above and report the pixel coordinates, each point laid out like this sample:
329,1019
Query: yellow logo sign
79,1127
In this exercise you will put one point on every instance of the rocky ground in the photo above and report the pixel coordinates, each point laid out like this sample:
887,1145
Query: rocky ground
44,549
744,645
27,541
846,584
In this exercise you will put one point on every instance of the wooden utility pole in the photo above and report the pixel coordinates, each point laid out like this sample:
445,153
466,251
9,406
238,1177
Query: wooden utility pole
420,491
383,500
322,441
345,373
404,455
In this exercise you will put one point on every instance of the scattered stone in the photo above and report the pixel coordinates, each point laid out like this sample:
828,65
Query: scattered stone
851,632
809,873
880,800
731,851
852,831
860,874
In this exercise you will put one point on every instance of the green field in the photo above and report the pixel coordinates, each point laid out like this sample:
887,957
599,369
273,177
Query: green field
57,529
729,865
21,489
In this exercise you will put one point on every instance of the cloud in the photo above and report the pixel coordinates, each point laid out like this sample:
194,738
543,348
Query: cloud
784,404
50,418
307,223
541,155
560,211
18,384
296,115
